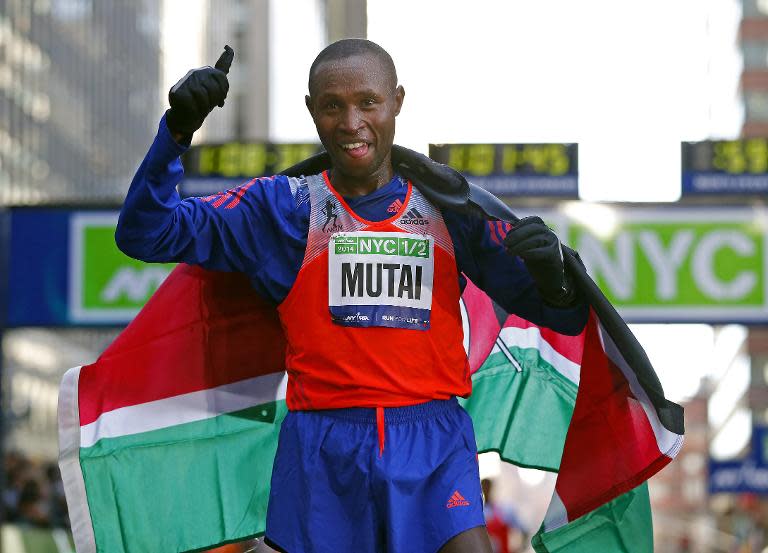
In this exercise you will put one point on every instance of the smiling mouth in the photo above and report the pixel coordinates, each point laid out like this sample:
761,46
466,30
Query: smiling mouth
355,149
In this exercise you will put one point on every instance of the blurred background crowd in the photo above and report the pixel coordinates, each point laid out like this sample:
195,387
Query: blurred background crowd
33,494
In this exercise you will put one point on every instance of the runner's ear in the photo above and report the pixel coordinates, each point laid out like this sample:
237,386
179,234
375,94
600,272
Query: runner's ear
308,102
399,97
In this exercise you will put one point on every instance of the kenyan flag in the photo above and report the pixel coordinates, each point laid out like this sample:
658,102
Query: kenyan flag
167,441
532,403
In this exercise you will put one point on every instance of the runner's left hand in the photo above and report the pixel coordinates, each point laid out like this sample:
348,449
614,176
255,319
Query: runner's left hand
538,246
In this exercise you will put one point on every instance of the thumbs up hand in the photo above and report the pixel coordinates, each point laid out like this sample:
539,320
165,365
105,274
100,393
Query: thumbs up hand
196,94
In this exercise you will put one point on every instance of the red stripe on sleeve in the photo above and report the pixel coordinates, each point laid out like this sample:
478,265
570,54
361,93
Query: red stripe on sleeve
224,197
239,192
492,232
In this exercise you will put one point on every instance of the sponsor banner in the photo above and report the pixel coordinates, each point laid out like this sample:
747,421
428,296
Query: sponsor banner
746,475
381,315
723,184
65,269
656,264
564,186
742,476
760,445
673,264
37,267
105,285
5,246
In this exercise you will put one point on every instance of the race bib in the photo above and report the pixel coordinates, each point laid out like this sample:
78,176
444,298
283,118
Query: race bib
381,279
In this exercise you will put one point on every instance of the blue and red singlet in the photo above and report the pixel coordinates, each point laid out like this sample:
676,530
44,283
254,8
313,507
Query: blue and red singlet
374,308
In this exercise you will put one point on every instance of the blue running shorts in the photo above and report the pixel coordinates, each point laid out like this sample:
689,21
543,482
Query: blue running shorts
396,480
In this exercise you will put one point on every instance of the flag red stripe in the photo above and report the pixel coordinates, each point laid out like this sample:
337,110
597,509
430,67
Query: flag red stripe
205,343
570,347
610,447
483,325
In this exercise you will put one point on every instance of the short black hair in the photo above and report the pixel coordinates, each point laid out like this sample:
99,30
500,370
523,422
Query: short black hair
350,47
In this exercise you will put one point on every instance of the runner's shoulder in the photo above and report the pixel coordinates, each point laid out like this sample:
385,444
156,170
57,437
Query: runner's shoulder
462,224
280,195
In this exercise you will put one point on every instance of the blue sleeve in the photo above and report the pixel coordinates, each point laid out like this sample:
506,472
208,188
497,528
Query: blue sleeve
480,255
243,229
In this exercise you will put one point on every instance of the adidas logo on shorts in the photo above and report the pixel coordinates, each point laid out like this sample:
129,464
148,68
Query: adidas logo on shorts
457,500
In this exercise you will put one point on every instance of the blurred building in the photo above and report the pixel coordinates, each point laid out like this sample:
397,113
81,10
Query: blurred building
721,419
33,361
79,103
679,492
245,26
754,78
268,56
79,83
78,97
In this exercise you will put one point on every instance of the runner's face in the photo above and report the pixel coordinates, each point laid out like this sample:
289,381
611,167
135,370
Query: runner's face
354,103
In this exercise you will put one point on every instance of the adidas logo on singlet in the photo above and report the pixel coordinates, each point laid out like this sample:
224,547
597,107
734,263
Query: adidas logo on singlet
413,217
395,206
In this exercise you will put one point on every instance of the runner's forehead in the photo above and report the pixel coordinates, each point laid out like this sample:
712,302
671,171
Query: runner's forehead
355,74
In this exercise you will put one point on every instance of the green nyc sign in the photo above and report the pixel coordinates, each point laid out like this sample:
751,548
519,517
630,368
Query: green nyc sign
671,264
105,285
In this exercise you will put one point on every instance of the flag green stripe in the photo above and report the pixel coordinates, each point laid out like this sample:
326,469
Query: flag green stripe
623,525
141,496
538,393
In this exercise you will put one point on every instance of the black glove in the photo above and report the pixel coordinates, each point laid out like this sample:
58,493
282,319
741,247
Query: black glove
540,249
197,93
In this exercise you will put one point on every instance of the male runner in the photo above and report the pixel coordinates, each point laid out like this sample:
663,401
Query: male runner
375,453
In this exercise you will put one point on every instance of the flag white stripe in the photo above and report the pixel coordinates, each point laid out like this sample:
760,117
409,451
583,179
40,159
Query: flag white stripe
185,408
667,441
531,338
69,463
557,515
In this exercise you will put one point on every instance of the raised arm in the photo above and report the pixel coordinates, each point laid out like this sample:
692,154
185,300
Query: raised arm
155,224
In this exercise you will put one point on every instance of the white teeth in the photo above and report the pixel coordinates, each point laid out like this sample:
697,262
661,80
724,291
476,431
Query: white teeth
353,146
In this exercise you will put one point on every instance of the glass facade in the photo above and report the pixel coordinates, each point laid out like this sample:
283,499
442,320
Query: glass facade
79,104
755,8
78,97
755,54
756,105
